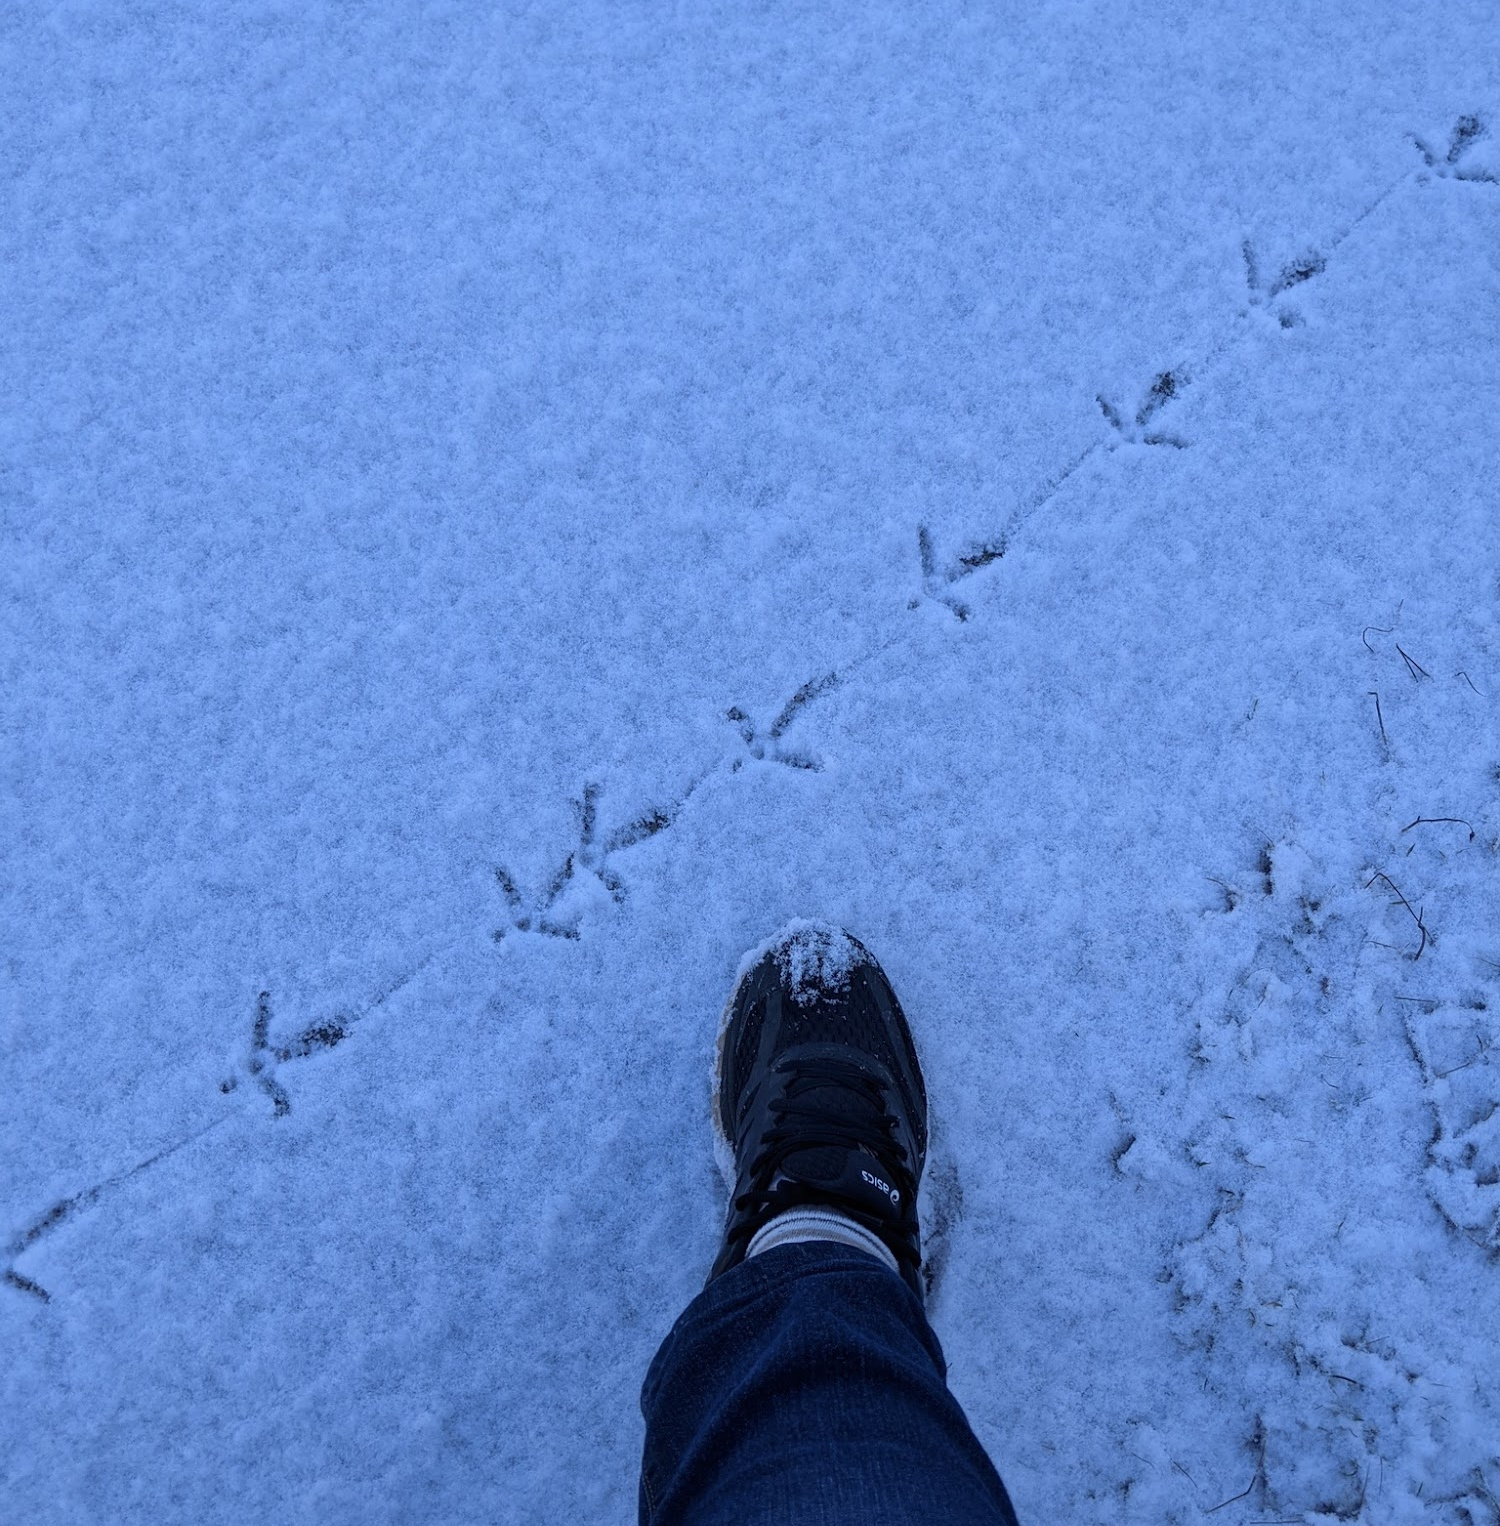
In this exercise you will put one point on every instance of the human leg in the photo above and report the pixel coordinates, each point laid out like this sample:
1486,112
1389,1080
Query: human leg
804,1385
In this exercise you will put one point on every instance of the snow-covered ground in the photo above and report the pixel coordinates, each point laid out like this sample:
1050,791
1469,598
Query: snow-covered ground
505,506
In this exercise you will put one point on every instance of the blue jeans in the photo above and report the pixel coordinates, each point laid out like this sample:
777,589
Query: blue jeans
804,1387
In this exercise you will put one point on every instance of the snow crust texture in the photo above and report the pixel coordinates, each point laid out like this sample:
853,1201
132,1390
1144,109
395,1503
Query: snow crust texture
505,506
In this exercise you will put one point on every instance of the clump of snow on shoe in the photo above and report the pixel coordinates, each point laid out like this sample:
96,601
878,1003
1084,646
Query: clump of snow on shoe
815,957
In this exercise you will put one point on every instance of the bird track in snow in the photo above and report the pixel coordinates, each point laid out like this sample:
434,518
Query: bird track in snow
559,911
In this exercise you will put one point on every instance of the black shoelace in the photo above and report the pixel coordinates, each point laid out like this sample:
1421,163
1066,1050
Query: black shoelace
800,1125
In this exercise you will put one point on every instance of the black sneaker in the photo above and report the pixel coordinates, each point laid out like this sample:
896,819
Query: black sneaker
820,1097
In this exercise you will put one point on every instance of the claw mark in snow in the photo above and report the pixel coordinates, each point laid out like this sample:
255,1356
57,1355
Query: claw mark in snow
766,745
267,1052
262,1061
1138,430
548,915
584,859
931,580
1448,163
936,580
804,696
1295,272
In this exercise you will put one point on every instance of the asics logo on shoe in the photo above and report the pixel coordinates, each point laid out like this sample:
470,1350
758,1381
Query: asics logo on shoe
884,1187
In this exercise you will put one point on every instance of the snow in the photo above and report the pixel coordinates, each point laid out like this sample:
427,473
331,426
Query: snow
812,956
506,507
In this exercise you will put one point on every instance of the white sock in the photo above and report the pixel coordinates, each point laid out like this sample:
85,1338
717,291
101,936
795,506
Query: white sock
798,1225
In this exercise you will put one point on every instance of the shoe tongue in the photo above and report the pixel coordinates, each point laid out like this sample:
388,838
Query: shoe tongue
823,1165
849,1172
